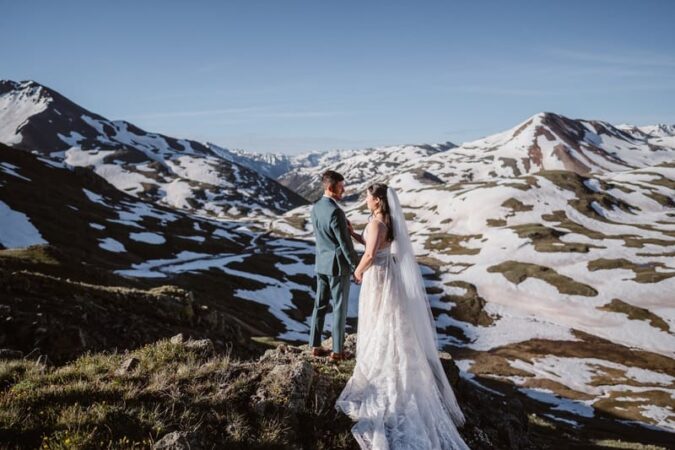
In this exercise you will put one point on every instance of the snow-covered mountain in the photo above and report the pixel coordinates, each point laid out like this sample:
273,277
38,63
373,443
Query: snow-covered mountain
271,165
177,172
360,167
545,141
302,172
548,141
654,131
659,134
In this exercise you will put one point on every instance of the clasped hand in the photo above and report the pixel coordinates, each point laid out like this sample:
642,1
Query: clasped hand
358,277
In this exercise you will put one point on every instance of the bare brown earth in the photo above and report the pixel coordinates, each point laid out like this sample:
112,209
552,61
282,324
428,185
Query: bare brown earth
517,272
636,313
644,272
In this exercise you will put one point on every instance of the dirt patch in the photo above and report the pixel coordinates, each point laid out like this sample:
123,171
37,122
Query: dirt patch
517,272
451,244
512,163
469,307
495,222
516,205
546,239
644,273
635,313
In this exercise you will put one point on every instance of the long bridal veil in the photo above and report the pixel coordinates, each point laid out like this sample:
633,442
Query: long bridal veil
419,311
399,395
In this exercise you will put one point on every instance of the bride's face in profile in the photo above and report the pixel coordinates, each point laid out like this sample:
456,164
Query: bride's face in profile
372,202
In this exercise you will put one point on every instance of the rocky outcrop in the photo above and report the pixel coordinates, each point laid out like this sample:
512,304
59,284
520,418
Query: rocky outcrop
63,319
177,440
293,381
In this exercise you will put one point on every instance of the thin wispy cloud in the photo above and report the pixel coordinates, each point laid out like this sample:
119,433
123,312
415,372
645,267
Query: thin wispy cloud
194,113
463,131
239,113
576,69
597,89
628,58
297,114
496,90
226,88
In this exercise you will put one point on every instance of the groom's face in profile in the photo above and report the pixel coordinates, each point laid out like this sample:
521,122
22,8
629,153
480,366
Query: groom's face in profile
338,190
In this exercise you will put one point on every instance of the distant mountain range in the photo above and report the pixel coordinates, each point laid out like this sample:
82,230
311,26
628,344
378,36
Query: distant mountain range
212,180
301,173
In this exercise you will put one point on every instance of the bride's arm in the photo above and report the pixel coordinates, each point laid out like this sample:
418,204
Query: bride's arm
374,233
357,237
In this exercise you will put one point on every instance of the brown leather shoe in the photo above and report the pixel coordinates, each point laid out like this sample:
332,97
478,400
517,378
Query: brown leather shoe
320,351
342,356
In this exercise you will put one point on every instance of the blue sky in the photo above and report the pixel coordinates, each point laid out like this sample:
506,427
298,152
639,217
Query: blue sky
290,76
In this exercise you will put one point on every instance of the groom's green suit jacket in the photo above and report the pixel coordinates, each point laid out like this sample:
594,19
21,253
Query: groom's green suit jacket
335,253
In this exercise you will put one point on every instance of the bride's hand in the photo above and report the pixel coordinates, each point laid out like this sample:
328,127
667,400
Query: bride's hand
358,277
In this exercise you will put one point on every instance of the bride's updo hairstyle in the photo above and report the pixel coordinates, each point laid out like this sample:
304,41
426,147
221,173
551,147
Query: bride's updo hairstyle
379,191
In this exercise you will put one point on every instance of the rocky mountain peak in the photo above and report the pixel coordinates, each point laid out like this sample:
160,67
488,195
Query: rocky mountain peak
178,172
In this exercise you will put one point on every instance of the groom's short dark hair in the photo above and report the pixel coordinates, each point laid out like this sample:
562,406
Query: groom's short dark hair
331,178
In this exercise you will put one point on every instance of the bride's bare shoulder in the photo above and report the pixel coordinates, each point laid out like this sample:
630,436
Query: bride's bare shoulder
373,225
378,220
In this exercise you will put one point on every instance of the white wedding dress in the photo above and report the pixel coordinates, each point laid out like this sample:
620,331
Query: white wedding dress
399,395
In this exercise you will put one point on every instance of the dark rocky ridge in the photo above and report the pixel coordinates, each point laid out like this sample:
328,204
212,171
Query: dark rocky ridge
62,319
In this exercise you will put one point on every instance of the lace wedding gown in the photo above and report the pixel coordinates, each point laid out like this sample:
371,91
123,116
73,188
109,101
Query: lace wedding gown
398,395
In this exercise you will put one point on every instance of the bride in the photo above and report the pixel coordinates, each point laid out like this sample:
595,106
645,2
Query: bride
398,395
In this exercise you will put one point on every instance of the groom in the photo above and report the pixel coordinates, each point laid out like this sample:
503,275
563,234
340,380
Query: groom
335,261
